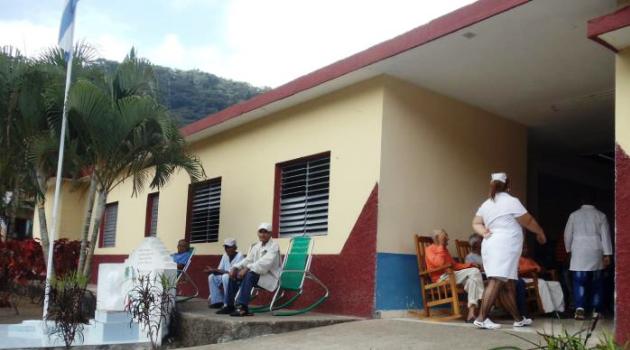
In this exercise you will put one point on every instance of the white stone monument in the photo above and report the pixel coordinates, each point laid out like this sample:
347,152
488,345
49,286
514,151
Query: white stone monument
111,323
116,281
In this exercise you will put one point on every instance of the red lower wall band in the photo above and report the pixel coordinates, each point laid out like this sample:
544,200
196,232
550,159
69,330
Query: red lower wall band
350,276
622,245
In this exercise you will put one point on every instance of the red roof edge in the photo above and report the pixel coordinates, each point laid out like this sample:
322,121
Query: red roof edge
449,23
608,23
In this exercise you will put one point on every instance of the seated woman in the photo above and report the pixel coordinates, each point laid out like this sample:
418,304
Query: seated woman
468,275
550,292
474,257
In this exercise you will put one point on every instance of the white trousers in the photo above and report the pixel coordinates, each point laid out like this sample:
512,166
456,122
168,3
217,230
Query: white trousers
551,295
218,285
473,284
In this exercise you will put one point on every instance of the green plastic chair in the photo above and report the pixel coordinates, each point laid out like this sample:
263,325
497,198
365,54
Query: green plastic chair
295,269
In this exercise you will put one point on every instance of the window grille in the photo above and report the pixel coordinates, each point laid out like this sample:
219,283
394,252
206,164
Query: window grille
204,209
108,228
153,201
304,193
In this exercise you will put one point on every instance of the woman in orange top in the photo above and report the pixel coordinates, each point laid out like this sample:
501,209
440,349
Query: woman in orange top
437,256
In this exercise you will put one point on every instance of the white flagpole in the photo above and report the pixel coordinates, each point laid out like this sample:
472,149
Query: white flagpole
55,209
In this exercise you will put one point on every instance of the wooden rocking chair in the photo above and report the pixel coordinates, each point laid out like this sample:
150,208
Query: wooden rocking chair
463,249
443,292
532,296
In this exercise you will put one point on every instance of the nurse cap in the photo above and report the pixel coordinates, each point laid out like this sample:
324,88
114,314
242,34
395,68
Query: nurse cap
501,177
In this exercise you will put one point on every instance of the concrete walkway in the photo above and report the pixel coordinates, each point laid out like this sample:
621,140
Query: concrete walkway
402,333
198,325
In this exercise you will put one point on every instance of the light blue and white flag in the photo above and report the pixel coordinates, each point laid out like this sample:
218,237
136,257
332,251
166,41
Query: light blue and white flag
66,29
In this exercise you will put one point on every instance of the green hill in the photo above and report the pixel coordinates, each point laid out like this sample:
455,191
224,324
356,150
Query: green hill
192,95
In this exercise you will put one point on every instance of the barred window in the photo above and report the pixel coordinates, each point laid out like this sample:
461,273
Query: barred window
108,225
204,204
303,205
153,201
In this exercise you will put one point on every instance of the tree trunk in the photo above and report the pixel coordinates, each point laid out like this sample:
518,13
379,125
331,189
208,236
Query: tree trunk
87,221
98,215
13,209
41,211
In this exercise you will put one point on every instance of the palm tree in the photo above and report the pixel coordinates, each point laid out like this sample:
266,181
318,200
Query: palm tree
31,101
142,141
12,66
41,105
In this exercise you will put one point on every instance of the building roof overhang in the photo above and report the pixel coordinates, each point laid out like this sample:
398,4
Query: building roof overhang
528,61
323,79
611,30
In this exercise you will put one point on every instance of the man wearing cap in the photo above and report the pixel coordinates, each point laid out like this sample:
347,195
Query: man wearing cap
219,277
260,268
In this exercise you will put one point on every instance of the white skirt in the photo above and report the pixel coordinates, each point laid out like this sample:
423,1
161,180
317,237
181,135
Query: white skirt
500,253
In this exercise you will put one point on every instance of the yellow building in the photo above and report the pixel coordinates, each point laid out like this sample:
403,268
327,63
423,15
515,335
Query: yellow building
400,139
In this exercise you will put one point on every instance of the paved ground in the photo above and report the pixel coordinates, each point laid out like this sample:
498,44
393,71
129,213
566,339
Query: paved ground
198,325
402,333
26,309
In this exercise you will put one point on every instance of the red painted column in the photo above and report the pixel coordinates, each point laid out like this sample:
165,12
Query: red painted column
622,245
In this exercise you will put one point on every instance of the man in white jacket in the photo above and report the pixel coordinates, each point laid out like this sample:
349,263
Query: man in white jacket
260,268
587,238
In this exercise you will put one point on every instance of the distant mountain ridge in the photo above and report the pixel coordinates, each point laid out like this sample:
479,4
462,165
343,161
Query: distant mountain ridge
191,95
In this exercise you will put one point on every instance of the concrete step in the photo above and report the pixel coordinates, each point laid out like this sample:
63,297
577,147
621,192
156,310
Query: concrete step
198,325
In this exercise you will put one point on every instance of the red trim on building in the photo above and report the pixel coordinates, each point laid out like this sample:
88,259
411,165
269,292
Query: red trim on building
606,24
148,218
350,276
452,22
622,245
277,190
103,259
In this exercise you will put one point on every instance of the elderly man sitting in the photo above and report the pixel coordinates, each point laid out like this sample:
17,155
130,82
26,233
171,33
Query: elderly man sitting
260,268
474,257
219,277
468,274
182,255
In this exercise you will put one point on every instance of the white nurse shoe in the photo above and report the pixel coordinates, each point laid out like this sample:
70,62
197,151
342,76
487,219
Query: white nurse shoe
487,324
522,323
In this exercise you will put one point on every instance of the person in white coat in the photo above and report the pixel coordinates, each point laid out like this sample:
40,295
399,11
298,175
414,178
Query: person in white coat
260,268
500,220
587,239
219,277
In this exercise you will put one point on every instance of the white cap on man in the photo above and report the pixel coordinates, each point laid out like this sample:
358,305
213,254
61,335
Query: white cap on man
501,177
264,226
229,242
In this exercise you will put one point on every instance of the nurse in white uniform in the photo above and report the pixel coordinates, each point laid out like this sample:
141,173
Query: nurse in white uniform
500,220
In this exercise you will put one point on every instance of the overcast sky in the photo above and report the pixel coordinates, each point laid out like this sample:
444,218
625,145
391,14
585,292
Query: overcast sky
263,42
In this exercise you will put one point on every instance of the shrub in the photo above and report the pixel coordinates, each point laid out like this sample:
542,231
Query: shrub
23,269
151,303
576,341
67,307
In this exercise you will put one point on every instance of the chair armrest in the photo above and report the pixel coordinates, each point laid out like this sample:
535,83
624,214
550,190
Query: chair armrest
437,269
302,271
